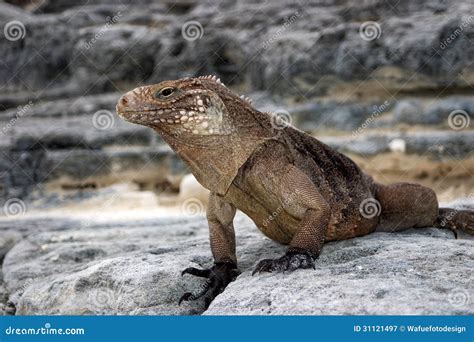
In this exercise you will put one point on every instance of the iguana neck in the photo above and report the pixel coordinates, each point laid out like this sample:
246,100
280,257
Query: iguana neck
215,160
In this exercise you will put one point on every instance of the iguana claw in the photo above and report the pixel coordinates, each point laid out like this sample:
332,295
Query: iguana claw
218,277
291,261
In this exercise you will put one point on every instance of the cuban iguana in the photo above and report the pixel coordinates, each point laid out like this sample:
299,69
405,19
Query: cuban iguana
296,189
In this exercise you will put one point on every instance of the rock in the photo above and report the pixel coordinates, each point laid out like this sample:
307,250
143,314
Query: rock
366,145
189,188
97,263
25,171
320,115
448,144
299,51
437,112
121,267
416,272
104,265
407,111
372,275
397,145
10,12
7,241
137,284
94,57
310,61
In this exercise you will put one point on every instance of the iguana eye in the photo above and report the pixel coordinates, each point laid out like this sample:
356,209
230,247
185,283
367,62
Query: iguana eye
165,92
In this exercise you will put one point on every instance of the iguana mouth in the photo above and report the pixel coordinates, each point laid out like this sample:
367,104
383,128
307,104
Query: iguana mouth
137,111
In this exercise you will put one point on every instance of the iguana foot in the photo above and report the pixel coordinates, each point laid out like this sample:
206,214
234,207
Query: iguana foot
218,277
455,220
292,260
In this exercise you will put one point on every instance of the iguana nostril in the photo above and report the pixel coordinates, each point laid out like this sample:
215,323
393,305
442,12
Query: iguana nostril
125,103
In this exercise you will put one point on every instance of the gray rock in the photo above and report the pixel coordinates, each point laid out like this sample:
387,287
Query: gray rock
76,106
43,141
449,144
407,111
89,267
121,54
75,59
436,112
294,50
133,267
7,241
25,171
380,274
417,272
116,267
11,12
440,110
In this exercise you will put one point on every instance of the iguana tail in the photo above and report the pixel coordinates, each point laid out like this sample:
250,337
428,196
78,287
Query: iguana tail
454,220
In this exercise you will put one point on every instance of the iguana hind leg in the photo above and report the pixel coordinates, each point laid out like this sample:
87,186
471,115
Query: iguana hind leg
297,192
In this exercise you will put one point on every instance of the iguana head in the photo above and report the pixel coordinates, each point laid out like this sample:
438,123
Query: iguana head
211,128
185,108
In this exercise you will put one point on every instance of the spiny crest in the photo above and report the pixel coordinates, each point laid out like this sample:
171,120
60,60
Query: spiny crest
218,80
247,99
212,78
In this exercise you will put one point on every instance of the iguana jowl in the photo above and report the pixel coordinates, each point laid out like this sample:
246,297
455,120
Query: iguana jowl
296,189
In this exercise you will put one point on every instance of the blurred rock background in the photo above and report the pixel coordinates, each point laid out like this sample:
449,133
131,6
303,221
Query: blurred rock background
390,83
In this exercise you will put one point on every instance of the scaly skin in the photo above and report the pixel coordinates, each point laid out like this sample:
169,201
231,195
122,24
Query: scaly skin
296,189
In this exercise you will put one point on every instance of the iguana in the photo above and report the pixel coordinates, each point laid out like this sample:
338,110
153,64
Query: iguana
296,189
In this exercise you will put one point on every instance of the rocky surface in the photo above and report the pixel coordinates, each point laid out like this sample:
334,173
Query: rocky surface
423,272
87,267
311,62
304,48
109,266
396,96
440,144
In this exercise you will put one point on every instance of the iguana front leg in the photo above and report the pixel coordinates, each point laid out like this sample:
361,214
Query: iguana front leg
220,215
298,193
